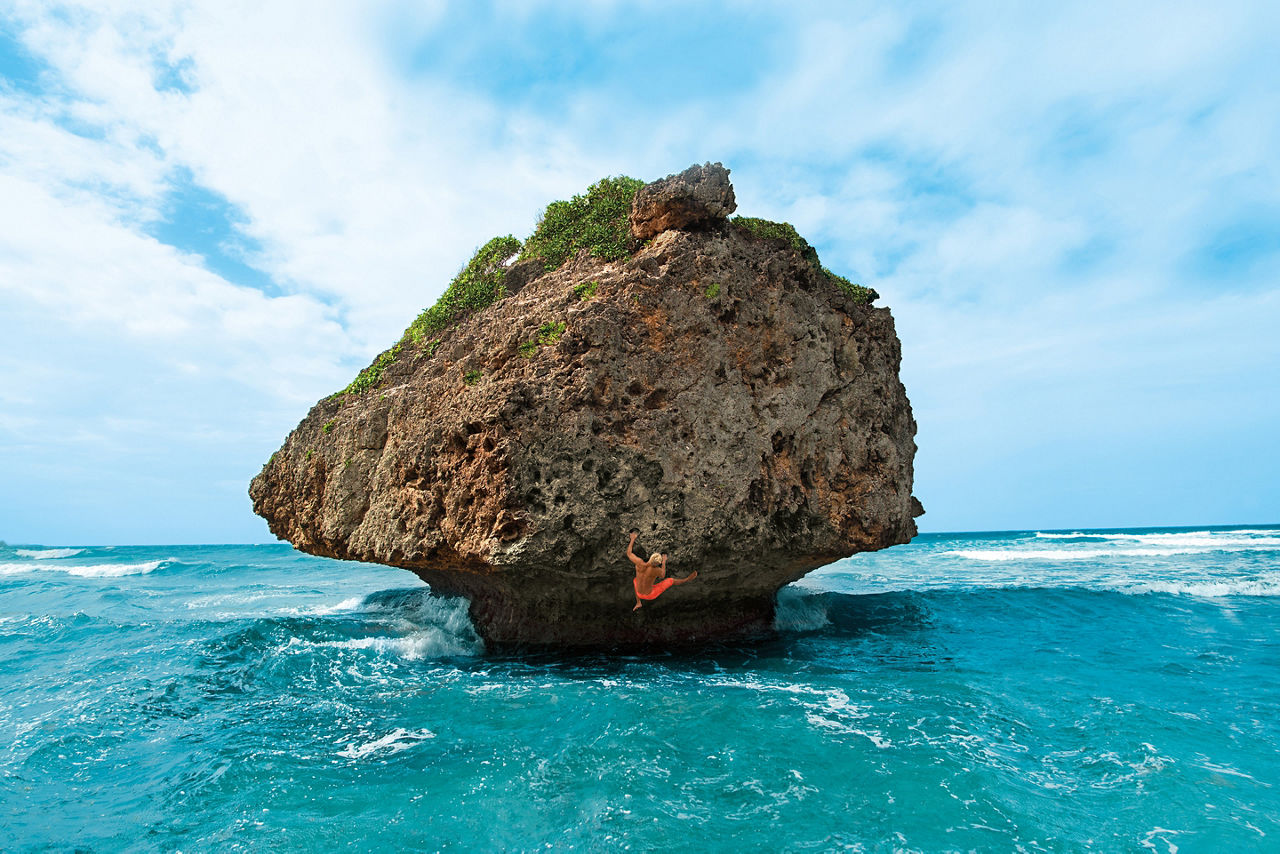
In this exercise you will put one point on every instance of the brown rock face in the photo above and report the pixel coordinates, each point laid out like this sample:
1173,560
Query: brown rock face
717,392
698,195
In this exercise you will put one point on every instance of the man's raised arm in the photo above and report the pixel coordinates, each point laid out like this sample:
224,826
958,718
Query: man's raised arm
630,554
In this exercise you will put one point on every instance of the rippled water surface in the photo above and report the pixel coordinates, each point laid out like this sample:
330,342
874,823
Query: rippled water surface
1033,690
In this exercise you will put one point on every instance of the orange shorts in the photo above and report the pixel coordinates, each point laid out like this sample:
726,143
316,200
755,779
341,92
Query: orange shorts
657,588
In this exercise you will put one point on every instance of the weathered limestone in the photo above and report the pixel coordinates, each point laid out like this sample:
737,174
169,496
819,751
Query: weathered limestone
696,196
718,392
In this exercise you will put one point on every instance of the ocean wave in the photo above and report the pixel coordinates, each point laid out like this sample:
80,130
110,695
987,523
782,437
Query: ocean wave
351,604
1209,588
48,554
98,570
393,742
799,612
1208,539
416,646
346,606
1093,554
431,626
418,606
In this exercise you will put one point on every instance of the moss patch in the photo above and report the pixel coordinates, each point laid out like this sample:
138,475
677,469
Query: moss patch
328,426
472,376
586,290
713,290
596,221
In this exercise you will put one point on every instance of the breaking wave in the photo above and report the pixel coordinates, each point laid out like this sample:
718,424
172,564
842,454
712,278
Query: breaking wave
424,626
98,570
48,554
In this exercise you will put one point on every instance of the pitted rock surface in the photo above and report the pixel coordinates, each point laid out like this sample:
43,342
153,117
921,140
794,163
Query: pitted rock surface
754,431
696,196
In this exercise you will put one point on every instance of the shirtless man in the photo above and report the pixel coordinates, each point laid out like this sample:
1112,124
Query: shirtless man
649,571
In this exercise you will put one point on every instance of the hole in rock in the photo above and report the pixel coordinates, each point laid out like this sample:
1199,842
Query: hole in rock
656,399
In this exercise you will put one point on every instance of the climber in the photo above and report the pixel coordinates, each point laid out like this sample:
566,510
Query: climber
649,571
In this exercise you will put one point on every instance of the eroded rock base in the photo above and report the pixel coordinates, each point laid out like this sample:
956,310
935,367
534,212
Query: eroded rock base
681,616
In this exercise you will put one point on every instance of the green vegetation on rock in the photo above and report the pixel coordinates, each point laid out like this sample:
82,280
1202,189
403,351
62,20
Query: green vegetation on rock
858,293
786,232
472,376
372,375
328,426
476,287
549,333
596,221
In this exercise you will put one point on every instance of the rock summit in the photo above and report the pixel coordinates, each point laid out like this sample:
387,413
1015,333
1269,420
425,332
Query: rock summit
640,362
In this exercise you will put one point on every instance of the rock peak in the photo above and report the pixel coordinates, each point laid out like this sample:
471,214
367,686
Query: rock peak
696,196
716,389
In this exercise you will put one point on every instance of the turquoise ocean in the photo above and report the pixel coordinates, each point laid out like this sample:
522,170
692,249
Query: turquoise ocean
1035,690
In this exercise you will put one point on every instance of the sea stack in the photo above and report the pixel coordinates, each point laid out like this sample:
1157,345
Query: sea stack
641,362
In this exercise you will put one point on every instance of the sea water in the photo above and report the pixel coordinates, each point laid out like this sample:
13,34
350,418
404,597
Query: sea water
1105,690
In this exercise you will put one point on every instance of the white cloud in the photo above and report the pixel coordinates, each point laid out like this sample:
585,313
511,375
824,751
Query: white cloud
1023,186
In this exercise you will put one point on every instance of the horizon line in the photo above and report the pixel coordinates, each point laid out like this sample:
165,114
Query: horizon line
1071,529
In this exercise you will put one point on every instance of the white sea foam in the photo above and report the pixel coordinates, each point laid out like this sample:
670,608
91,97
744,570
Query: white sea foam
48,554
415,646
429,627
1208,539
343,607
99,570
346,606
799,612
1211,588
393,742
1096,553
229,599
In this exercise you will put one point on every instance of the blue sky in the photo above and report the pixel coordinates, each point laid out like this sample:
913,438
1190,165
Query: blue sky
217,213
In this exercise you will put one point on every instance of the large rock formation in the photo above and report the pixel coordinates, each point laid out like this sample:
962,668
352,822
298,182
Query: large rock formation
717,390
